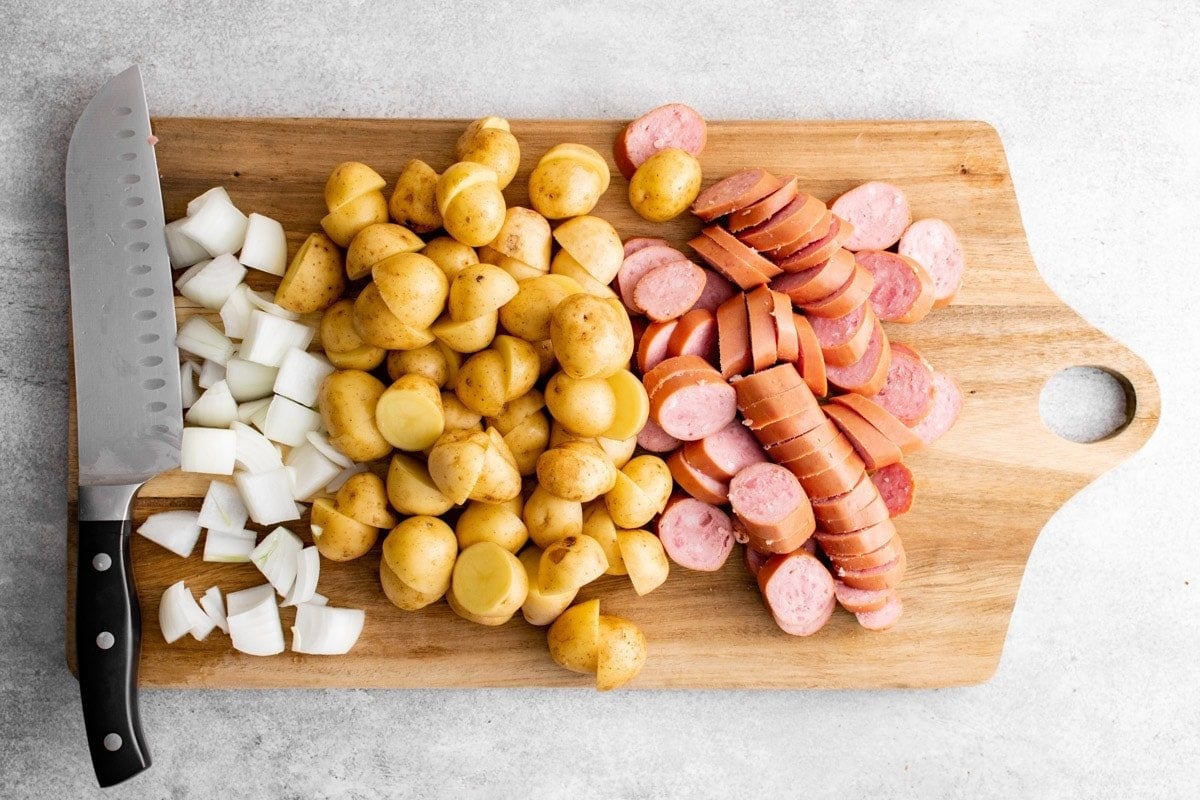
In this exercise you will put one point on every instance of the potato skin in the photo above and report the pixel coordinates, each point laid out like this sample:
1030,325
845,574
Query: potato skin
421,551
564,188
586,406
375,243
413,202
378,326
413,287
344,348
588,336
489,141
403,596
665,185
450,255
342,538
481,384
621,652
364,497
528,315
315,279
549,518
429,361
523,241
411,490
574,638
471,204
347,401
577,471
492,522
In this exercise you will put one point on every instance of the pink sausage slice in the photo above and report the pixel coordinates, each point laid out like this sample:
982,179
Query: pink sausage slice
908,390
695,334
739,190
654,345
883,618
691,410
754,560
859,601
879,213
799,591
640,263
642,242
653,438
933,244
695,535
717,289
896,486
726,453
947,405
903,290
672,125
667,292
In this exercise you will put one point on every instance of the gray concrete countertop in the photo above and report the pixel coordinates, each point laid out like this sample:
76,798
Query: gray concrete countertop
1098,104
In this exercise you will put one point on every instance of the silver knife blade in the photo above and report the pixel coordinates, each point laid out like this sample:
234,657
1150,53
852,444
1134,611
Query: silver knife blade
122,307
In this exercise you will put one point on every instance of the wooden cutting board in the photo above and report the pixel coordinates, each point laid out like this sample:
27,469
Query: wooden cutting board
984,491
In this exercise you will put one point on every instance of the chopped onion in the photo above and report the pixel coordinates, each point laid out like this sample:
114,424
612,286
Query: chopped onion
255,453
222,509
235,313
245,599
343,476
318,599
216,408
268,496
265,301
217,226
247,410
210,373
268,338
200,338
257,631
214,605
309,470
248,380
196,203
208,450
191,271
276,558
301,374
259,418
322,443
229,547
173,617
265,248
182,250
308,570
288,422
213,283
321,630
187,383
175,530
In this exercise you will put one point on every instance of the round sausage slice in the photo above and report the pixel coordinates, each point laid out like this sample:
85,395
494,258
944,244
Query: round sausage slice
754,560
764,347
849,296
695,481
744,253
670,367
875,449
863,540
766,208
790,223
653,438
859,601
903,289
654,345
717,289
672,125
771,504
767,383
947,405
696,535
738,191
799,591
897,488
873,513
695,335
844,339
875,558
667,292
933,244
882,618
726,263
885,576
726,453
867,375
642,242
818,252
816,283
693,408
640,263
847,503
908,389
879,213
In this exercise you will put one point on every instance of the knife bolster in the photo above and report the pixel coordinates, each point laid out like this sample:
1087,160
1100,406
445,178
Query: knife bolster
107,502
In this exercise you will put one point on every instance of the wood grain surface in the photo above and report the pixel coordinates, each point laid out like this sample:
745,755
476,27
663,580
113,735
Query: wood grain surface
984,491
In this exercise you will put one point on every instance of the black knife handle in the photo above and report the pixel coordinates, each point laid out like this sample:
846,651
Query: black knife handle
108,642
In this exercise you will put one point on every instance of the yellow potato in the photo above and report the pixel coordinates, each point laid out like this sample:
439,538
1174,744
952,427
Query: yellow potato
585,155
456,463
564,188
492,522
364,497
519,270
489,581
516,410
549,518
521,365
470,203
619,451
545,353
450,255
375,243
585,406
564,265
528,314
344,223
337,536
478,619
500,479
314,280
588,335
571,563
344,348
379,327
665,185
644,558
349,180
347,401
413,202
578,471
411,490
524,239
478,290
488,141
594,244
421,551
621,653
482,384
432,361
626,326
574,638
629,504
409,413
633,405
599,525
413,287
528,441
458,416
470,336
538,608
403,596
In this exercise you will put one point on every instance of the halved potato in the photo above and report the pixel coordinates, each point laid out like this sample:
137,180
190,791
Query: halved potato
456,463
644,558
364,498
479,289
565,265
451,256
337,536
521,365
409,413
632,405
378,326
539,608
349,180
411,490
315,279
479,619
413,287
594,244
413,202
578,471
598,524
489,581
621,653
343,223
492,522
469,336
403,596
524,239
421,551
574,638
570,564
549,518
482,383
528,314
375,243
642,490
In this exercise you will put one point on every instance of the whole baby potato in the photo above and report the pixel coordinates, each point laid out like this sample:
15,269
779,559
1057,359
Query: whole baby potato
314,280
450,255
421,551
528,314
414,201
665,185
375,243
564,187
490,142
378,326
585,406
347,401
588,334
413,287
578,471
344,348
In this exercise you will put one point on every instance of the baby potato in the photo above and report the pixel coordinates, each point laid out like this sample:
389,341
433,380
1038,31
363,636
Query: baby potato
594,244
469,336
632,405
413,288
584,406
642,490
414,202
644,558
524,238
344,348
546,360
375,243
489,141
347,402
665,185
528,441
500,479
549,518
588,337
492,522
539,608
519,270
409,413
349,180
432,361
457,416
489,581
578,471
314,280
337,536
343,223
421,551
456,463
563,264
599,525
621,653
521,365
584,155
403,596
482,384
516,410
470,202
574,638
411,490
619,451
480,289
451,256
378,326
363,497
570,564
478,619
564,187
528,314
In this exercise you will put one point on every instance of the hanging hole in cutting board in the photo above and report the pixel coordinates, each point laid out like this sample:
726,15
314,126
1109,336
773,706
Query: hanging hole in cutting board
1087,404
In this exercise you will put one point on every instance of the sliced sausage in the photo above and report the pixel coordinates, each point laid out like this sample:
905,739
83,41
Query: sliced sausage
885,576
790,223
667,292
787,340
695,481
845,503
672,125
823,437
814,234
717,289
798,590
726,453
838,478
733,337
860,601
947,405
863,540
695,335
896,486
739,190
879,213
903,289
882,618
754,560
654,345
767,383
671,367
653,438
744,253
872,513
766,208
785,421
640,263
867,375
726,263
849,296
764,349
883,555
772,506
642,242
844,339
821,250
908,389
812,363
691,407
875,449
696,535
933,244
883,421
816,283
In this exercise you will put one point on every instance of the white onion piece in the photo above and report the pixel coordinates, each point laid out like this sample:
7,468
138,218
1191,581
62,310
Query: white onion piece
187,384
182,250
248,380
265,301
193,270
222,509
229,547
217,226
213,283
320,441
247,410
216,408
325,631
210,373
301,374
276,557
255,453
288,422
173,617
201,623
208,450
200,338
259,418
308,571
235,313
265,247
175,530
318,599
268,338
214,605
215,193
257,631
246,599
346,474
268,496
310,471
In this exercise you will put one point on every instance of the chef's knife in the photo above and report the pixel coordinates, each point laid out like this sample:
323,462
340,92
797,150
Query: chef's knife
126,396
